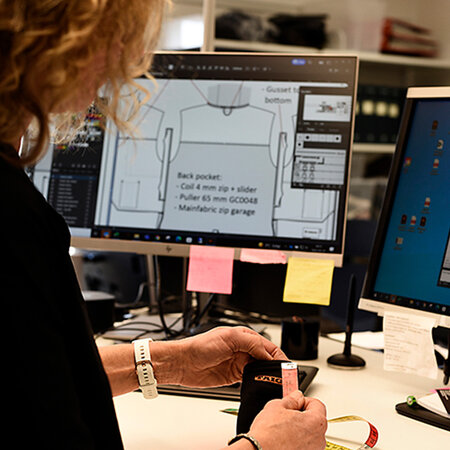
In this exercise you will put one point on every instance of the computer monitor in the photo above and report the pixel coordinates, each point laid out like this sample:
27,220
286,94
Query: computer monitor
232,149
409,265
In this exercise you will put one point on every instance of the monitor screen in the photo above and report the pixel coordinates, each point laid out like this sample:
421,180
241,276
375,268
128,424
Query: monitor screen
410,261
234,150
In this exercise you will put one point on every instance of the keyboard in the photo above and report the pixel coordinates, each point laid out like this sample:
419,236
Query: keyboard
231,392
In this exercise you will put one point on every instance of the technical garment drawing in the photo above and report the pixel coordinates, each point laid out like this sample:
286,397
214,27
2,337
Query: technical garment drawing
225,129
216,161
139,176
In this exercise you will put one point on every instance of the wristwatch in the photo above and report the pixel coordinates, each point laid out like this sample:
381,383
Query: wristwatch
144,368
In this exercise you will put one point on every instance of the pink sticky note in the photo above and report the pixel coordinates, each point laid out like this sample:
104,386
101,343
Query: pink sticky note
262,256
210,269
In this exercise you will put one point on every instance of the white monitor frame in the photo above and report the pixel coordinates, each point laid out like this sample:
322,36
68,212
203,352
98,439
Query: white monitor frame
182,249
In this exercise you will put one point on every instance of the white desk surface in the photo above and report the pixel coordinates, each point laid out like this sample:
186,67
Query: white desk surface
174,422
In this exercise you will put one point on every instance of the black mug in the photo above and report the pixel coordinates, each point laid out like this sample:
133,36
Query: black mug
300,337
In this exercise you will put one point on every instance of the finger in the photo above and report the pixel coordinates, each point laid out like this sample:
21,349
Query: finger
314,405
277,353
273,350
249,341
317,411
295,400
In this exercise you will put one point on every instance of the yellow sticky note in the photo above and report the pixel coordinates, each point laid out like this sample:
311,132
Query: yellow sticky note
308,281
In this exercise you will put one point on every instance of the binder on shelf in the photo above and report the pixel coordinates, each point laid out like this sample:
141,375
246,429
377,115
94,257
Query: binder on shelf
404,38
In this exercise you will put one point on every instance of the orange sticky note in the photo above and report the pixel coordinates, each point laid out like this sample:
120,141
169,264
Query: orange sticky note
262,256
308,281
210,269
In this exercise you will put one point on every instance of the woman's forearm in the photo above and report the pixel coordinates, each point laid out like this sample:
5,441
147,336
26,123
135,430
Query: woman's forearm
119,364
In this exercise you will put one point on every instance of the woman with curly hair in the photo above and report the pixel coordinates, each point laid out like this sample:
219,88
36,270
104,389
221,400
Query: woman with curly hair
55,55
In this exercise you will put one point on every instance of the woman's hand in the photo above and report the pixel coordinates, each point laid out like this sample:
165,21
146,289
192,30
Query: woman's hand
217,357
294,422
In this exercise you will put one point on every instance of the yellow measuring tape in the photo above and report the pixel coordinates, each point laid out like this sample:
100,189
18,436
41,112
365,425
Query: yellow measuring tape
370,442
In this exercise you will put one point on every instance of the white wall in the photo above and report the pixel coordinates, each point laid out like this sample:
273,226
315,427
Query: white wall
433,14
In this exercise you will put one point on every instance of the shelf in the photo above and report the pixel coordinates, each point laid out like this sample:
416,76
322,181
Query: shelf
363,147
254,46
368,57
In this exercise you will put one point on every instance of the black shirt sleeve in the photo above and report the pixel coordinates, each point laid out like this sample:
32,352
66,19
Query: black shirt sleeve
54,366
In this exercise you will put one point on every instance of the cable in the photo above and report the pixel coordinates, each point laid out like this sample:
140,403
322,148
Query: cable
157,270
205,309
163,327
138,322
447,361
243,316
143,331
138,298
169,332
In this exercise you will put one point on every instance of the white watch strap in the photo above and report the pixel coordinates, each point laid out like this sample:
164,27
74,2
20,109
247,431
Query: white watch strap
144,368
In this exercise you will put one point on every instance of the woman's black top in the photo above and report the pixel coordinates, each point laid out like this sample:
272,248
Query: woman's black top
57,393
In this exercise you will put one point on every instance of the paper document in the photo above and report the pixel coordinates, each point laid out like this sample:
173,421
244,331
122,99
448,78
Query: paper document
435,402
408,344
262,256
210,269
308,281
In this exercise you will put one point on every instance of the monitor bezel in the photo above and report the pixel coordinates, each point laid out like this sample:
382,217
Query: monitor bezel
181,249
367,301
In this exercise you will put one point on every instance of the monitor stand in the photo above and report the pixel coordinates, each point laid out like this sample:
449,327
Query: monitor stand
151,279
347,360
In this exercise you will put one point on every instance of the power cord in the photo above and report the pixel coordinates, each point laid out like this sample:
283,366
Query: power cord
201,313
447,361
136,302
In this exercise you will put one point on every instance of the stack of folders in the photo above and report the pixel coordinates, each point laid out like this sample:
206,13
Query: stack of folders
404,38
378,113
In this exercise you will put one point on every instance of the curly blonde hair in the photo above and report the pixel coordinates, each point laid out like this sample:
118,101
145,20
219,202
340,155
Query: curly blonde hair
47,47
